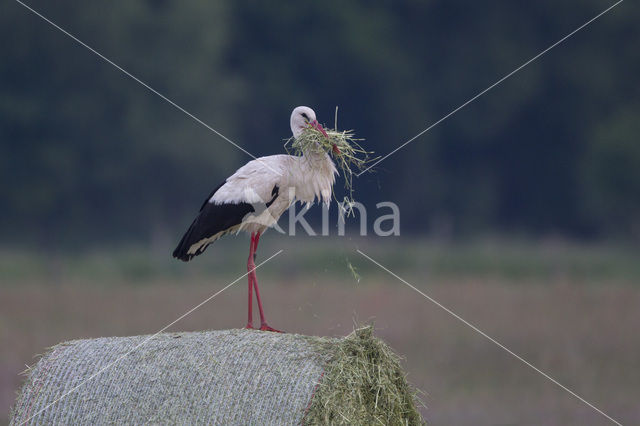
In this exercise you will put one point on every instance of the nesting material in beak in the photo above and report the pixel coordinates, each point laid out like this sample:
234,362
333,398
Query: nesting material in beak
348,154
314,124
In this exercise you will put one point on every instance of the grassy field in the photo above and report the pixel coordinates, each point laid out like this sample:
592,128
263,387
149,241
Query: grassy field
572,311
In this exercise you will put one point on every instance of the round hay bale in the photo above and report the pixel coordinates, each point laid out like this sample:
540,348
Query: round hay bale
218,377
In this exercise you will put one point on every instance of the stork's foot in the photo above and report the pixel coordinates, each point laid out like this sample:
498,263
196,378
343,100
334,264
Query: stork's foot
249,326
265,327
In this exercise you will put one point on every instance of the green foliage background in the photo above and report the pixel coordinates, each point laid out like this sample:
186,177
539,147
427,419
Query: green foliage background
87,154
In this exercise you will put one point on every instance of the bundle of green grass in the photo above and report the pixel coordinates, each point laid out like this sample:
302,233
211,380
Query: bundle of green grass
349,155
219,377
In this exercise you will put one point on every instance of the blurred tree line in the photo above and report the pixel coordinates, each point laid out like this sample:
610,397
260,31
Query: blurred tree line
87,154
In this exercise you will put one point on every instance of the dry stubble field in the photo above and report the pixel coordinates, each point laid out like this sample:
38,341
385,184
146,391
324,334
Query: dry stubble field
581,330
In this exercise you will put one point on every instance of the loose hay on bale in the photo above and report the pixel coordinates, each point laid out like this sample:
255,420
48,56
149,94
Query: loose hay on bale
363,383
219,377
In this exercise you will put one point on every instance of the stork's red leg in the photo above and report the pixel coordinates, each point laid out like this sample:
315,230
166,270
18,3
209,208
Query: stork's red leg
263,323
250,277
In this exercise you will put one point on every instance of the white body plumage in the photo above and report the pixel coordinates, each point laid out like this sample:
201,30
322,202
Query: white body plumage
258,193
305,179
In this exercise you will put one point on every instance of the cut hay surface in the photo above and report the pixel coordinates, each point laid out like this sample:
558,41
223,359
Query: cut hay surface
217,377
363,383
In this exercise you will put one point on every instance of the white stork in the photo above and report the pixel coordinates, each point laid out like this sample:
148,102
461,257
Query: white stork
254,197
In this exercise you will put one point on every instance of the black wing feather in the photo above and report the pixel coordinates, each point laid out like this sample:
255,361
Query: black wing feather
212,219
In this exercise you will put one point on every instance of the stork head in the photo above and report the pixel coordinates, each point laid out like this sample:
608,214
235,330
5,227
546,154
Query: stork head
303,117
